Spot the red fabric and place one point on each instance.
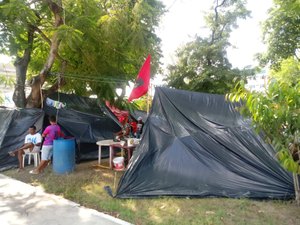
(133, 124)
(142, 81)
(121, 114)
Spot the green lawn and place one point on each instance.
(85, 186)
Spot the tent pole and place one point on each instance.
(147, 103)
(148, 98)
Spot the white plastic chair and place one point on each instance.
(36, 158)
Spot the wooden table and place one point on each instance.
(108, 143)
(129, 150)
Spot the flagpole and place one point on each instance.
(148, 98)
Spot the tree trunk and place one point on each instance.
(21, 65)
(34, 98)
(19, 93)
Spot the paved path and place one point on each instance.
(22, 204)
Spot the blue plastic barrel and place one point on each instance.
(63, 156)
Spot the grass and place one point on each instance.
(85, 186)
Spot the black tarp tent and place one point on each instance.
(14, 124)
(198, 145)
(83, 118)
(139, 113)
(86, 119)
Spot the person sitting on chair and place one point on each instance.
(32, 143)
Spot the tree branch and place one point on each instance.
(43, 35)
(34, 98)
(216, 19)
(47, 40)
(60, 81)
(56, 10)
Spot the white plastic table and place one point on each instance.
(108, 143)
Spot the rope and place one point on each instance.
(59, 74)
(58, 96)
(171, 5)
(91, 77)
(42, 100)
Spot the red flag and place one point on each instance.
(142, 81)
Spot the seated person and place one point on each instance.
(32, 143)
(139, 128)
(124, 132)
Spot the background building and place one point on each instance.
(258, 82)
(7, 71)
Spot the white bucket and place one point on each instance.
(118, 163)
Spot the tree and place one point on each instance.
(80, 46)
(20, 21)
(124, 35)
(282, 32)
(17, 39)
(202, 64)
(276, 113)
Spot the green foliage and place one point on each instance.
(282, 32)
(15, 18)
(103, 42)
(289, 72)
(143, 103)
(5, 81)
(277, 111)
(202, 64)
(111, 41)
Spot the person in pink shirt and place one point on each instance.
(51, 133)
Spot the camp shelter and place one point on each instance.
(83, 118)
(86, 119)
(198, 145)
(14, 124)
(139, 113)
(121, 114)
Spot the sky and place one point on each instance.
(4, 59)
(184, 20)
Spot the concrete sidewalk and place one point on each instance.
(22, 204)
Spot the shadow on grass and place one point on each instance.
(86, 187)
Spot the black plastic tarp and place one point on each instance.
(14, 124)
(198, 145)
(83, 118)
(139, 113)
(87, 120)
